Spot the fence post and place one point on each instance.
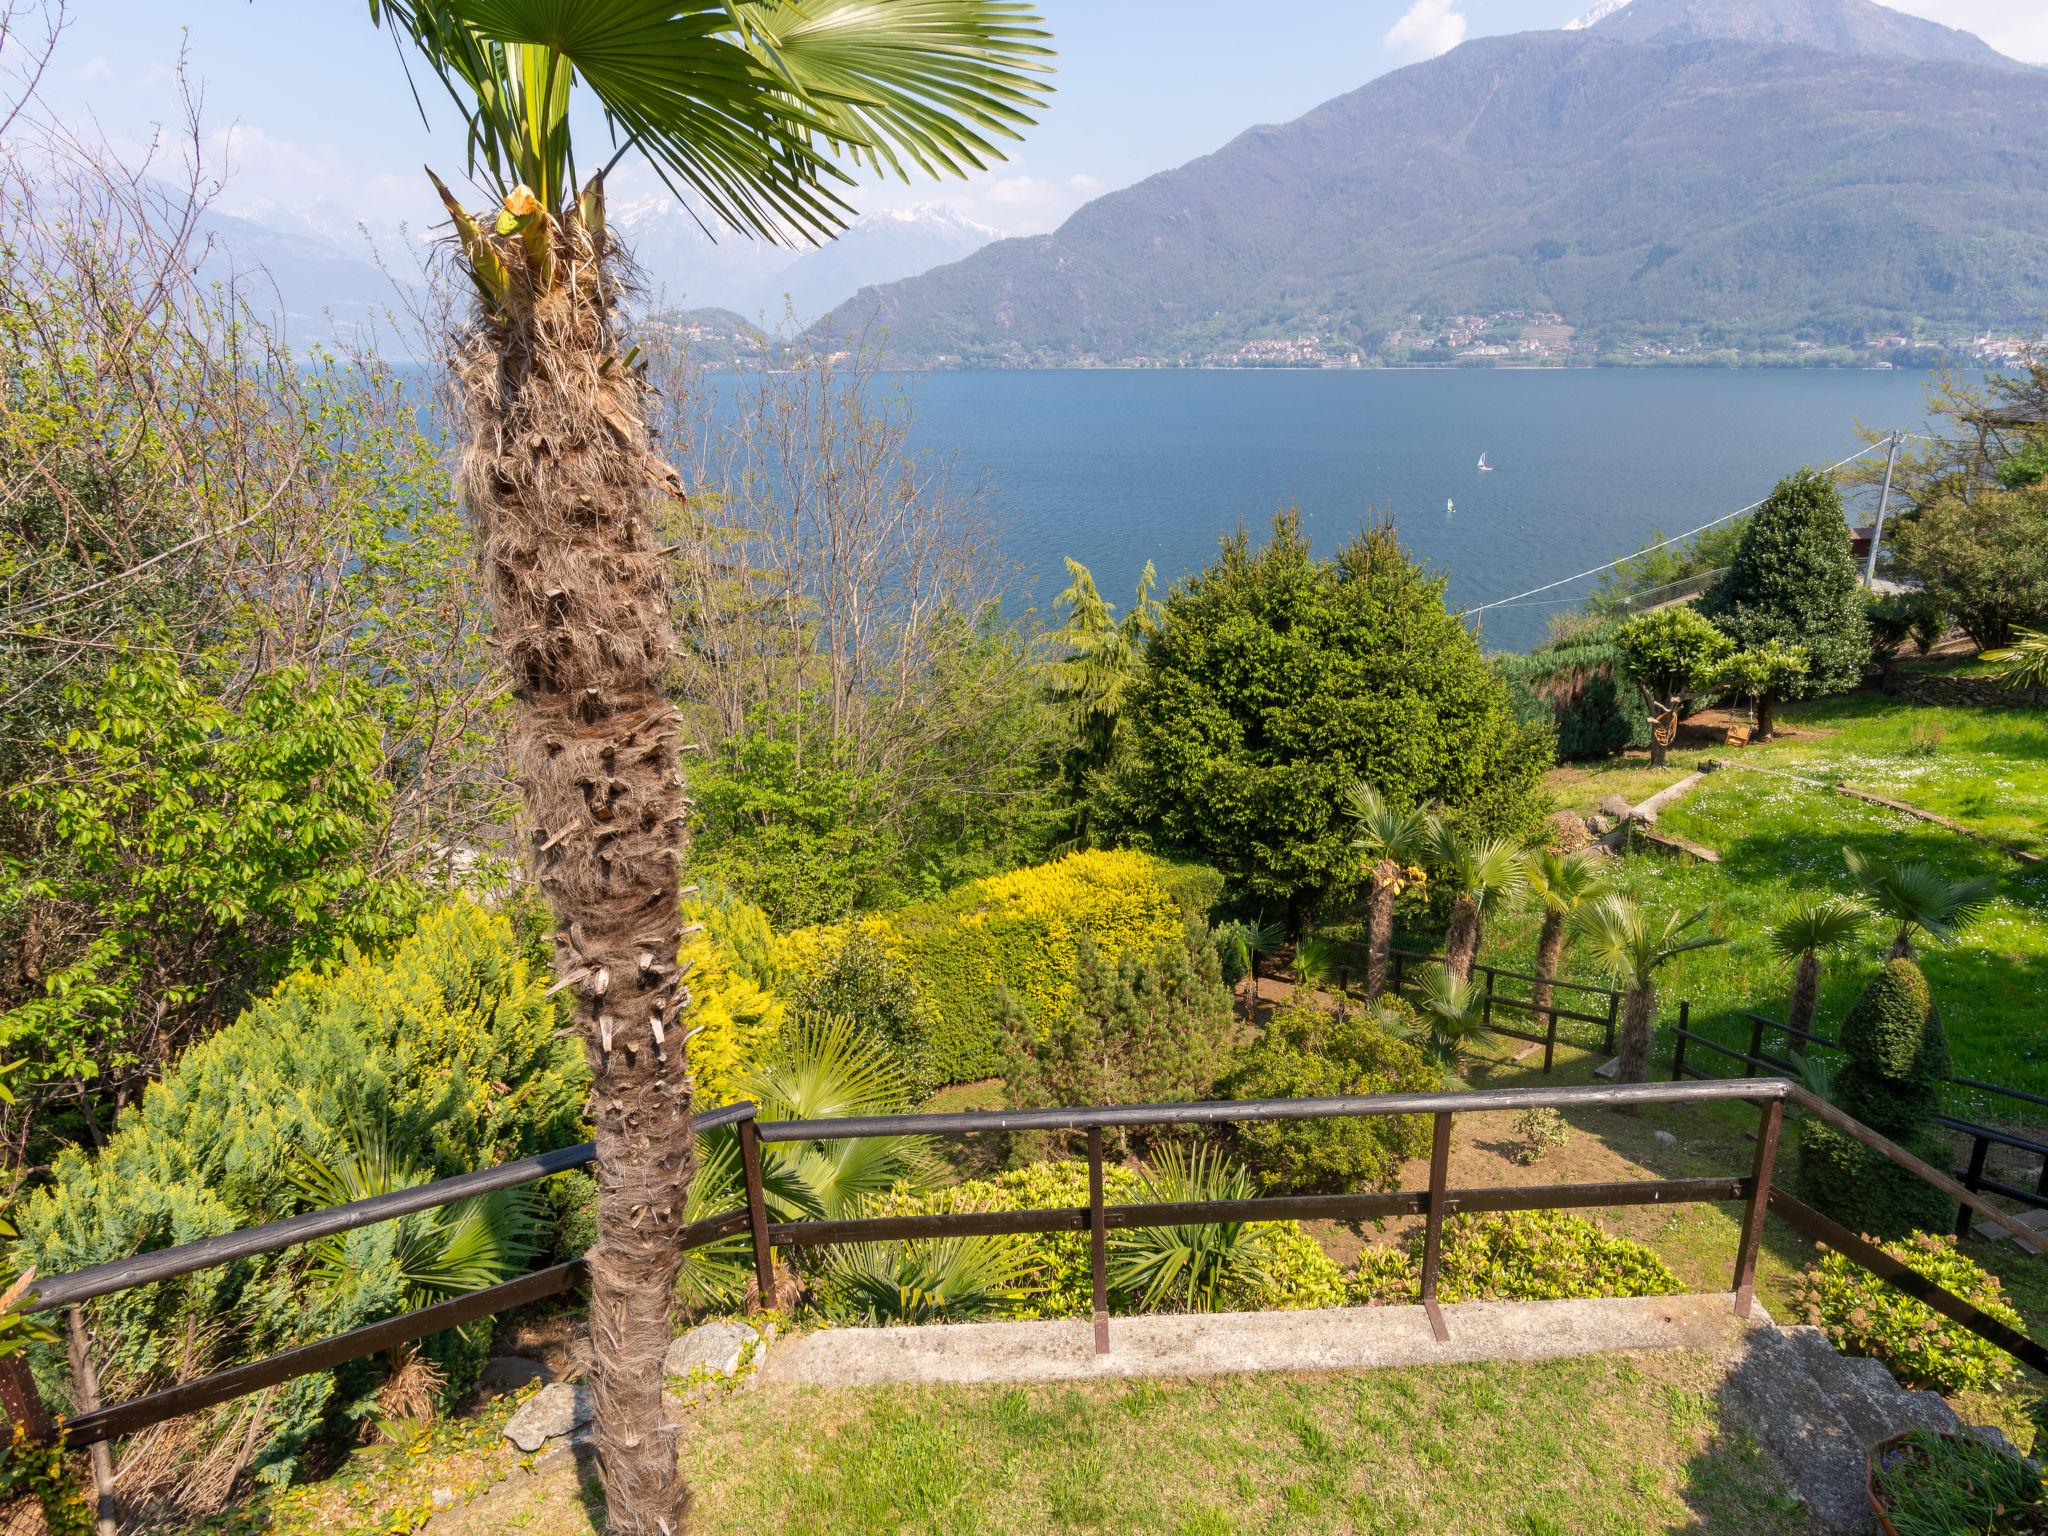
(22, 1402)
(1486, 1009)
(1973, 1181)
(1433, 1223)
(1613, 1011)
(1550, 1043)
(1759, 1196)
(757, 1211)
(1756, 1045)
(85, 1387)
(1678, 1043)
(1098, 1240)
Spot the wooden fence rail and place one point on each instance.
(1435, 1203)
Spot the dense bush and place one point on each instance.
(1794, 582)
(1540, 1132)
(1575, 687)
(1897, 1057)
(1672, 651)
(1983, 558)
(1277, 681)
(862, 981)
(449, 1047)
(1517, 1256)
(1309, 1053)
(1148, 1028)
(736, 1011)
(1293, 1272)
(1018, 933)
(1863, 1315)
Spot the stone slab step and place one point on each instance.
(1338, 1339)
(1819, 1453)
(1866, 1394)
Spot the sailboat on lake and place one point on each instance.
(1484, 467)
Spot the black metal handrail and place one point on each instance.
(1433, 1203)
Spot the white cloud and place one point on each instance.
(1426, 29)
(94, 71)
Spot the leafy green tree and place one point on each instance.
(1393, 843)
(1626, 941)
(1483, 876)
(1277, 681)
(1144, 1029)
(1897, 1060)
(1918, 898)
(1982, 557)
(1765, 674)
(1794, 581)
(191, 853)
(1095, 663)
(1802, 937)
(1560, 883)
(1667, 653)
(744, 105)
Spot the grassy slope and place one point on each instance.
(1781, 841)
(1611, 1444)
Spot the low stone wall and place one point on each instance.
(1946, 688)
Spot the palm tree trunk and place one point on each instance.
(1549, 956)
(1379, 930)
(1902, 946)
(1805, 994)
(1638, 1013)
(1461, 939)
(559, 473)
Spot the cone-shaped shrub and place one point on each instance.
(1898, 1056)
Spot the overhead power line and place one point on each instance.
(1676, 538)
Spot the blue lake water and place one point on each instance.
(1118, 467)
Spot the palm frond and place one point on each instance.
(1385, 832)
(1450, 1016)
(1621, 937)
(1203, 1268)
(1917, 895)
(1814, 927)
(1563, 882)
(1489, 870)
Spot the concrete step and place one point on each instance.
(1866, 1394)
(1818, 1451)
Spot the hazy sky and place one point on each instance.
(305, 100)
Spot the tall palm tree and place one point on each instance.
(1802, 937)
(1484, 876)
(742, 105)
(1627, 942)
(1919, 898)
(1394, 842)
(1562, 883)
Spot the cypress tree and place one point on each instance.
(1793, 581)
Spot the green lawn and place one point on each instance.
(1782, 841)
(1609, 1444)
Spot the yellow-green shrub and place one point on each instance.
(1019, 932)
(735, 1016)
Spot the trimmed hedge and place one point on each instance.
(1863, 1315)
(1516, 1256)
(1019, 933)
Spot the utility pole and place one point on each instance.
(1884, 501)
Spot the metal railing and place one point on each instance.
(1434, 1203)
(1980, 1138)
(1606, 999)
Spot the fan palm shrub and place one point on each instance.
(1484, 877)
(1561, 883)
(925, 1280)
(1195, 1268)
(1239, 944)
(743, 105)
(1919, 898)
(2024, 663)
(1450, 1017)
(1393, 842)
(1627, 942)
(1802, 937)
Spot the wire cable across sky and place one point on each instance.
(1676, 538)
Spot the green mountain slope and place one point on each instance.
(1734, 193)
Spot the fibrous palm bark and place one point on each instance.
(560, 475)
(1379, 926)
(1549, 958)
(1638, 1013)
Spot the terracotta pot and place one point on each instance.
(1871, 1463)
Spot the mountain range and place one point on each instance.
(1734, 177)
(327, 273)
